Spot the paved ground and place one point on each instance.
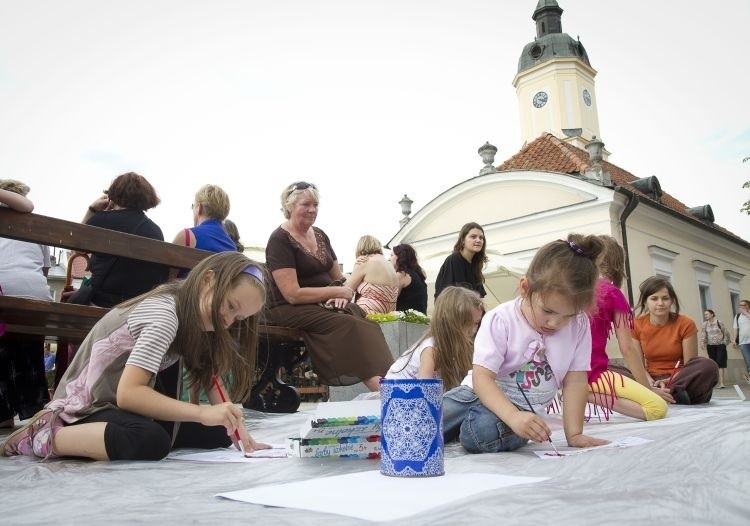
(730, 392)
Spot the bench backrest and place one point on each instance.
(74, 321)
(55, 232)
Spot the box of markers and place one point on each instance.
(341, 447)
(343, 420)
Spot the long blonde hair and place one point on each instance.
(225, 351)
(454, 310)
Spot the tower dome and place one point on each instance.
(550, 41)
(555, 83)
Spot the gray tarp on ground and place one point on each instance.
(695, 472)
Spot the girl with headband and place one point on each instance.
(119, 399)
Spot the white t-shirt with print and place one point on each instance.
(510, 347)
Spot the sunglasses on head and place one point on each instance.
(302, 185)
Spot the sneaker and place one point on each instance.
(747, 378)
(35, 439)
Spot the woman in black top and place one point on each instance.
(411, 279)
(463, 268)
(122, 207)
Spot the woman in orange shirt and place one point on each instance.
(669, 344)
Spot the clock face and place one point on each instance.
(587, 97)
(540, 99)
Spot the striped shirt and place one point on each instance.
(153, 326)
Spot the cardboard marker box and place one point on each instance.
(341, 447)
(343, 419)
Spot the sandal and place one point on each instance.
(35, 439)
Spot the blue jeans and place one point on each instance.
(745, 350)
(456, 404)
(480, 430)
(483, 432)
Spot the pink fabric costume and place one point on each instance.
(610, 302)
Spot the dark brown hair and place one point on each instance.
(131, 190)
(479, 260)
(651, 286)
(406, 259)
(566, 267)
(234, 233)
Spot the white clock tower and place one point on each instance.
(555, 83)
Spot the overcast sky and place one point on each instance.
(367, 99)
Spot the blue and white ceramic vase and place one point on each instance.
(411, 428)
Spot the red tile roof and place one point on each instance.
(548, 153)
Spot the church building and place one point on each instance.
(561, 181)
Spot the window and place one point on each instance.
(734, 298)
(705, 294)
(662, 259)
(703, 272)
(733, 284)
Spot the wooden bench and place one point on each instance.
(280, 347)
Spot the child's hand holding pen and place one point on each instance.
(664, 392)
(225, 414)
(530, 426)
(235, 423)
(230, 416)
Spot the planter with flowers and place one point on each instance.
(401, 330)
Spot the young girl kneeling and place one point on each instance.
(525, 350)
(445, 349)
(119, 399)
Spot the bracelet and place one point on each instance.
(92, 209)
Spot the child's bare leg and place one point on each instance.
(82, 440)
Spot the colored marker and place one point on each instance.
(224, 399)
(669, 382)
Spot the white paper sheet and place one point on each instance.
(353, 494)
(232, 454)
(623, 442)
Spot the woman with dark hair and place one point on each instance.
(122, 208)
(669, 343)
(714, 338)
(411, 279)
(463, 268)
(234, 234)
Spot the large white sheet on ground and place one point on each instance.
(694, 472)
(372, 496)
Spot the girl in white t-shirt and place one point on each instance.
(525, 350)
(445, 349)
(119, 399)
